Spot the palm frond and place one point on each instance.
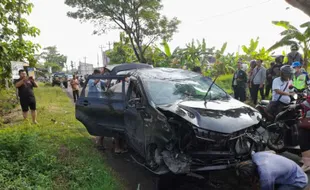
(281, 43)
(284, 24)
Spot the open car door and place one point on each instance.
(101, 110)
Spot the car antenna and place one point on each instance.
(205, 98)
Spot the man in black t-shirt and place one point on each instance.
(25, 92)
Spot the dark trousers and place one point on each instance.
(75, 95)
(255, 88)
(268, 89)
(239, 93)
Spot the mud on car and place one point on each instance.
(170, 122)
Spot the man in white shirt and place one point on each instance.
(280, 90)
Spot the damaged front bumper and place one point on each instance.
(211, 160)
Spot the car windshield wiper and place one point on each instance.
(205, 98)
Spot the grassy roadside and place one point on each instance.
(55, 154)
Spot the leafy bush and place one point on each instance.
(8, 100)
(225, 82)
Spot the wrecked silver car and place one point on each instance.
(176, 120)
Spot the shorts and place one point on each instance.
(26, 104)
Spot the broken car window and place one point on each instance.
(170, 91)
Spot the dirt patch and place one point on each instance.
(63, 153)
(12, 116)
(60, 183)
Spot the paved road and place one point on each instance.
(134, 176)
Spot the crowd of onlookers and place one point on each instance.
(258, 79)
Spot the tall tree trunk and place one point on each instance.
(134, 47)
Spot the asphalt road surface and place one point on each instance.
(136, 177)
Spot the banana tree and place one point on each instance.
(196, 55)
(167, 59)
(251, 52)
(291, 34)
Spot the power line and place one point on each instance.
(234, 11)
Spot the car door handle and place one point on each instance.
(85, 103)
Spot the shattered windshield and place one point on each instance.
(170, 91)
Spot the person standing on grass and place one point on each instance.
(75, 87)
(257, 82)
(25, 92)
(250, 73)
(239, 83)
(269, 79)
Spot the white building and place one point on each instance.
(85, 69)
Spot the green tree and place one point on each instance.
(251, 52)
(122, 51)
(13, 28)
(55, 67)
(291, 34)
(139, 19)
(196, 54)
(51, 55)
(166, 57)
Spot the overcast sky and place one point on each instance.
(218, 21)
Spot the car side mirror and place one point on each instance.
(135, 103)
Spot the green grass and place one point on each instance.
(225, 82)
(57, 153)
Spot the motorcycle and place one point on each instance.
(82, 82)
(282, 129)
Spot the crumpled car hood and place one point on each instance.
(226, 116)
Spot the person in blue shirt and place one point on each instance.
(271, 172)
(95, 89)
(95, 86)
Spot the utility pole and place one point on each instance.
(109, 44)
(97, 60)
(101, 49)
(19, 16)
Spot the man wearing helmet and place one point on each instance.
(275, 71)
(280, 90)
(299, 78)
(294, 55)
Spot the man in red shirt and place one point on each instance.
(75, 87)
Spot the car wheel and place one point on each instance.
(153, 158)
